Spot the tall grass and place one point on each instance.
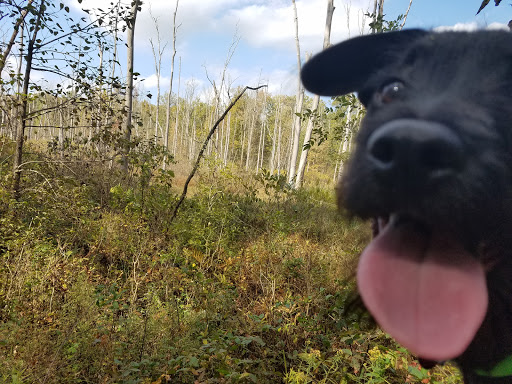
(252, 283)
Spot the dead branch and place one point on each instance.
(203, 148)
(405, 16)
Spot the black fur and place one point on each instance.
(455, 86)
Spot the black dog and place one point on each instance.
(433, 161)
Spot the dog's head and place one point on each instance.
(433, 159)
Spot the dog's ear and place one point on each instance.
(345, 67)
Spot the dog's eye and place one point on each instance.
(389, 92)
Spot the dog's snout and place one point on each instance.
(421, 150)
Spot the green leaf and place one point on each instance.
(418, 373)
(194, 361)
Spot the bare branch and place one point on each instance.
(203, 148)
(16, 28)
(406, 14)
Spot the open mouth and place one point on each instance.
(423, 288)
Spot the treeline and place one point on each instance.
(82, 108)
(255, 133)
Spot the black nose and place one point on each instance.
(412, 150)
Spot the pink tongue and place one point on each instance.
(425, 291)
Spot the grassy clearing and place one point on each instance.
(250, 284)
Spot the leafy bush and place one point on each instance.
(252, 283)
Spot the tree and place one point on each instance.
(177, 116)
(405, 15)
(17, 26)
(23, 109)
(158, 52)
(136, 5)
(168, 115)
(205, 145)
(299, 100)
(377, 15)
(60, 53)
(314, 105)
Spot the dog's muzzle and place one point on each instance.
(414, 153)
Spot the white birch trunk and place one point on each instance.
(314, 107)
(298, 105)
(347, 137)
(272, 164)
(129, 82)
(168, 113)
(228, 137)
(249, 139)
(176, 122)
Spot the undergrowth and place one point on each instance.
(252, 283)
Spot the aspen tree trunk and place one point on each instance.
(168, 116)
(261, 141)
(189, 109)
(381, 8)
(299, 99)
(219, 140)
(263, 135)
(336, 168)
(20, 67)
(129, 82)
(192, 145)
(228, 137)
(378, 11)
(346, 148)
(344, 145)
(95, 120)
(244, 130)
(210, 114)
(61, 132)
(23, 108)
(274, 136)
(113, 62)
(374, 13)
(407, 14)
(250, 136)
(314, 107)
(157, 55)
(279, 138)
(177, 119)
(158, 61)
(289, 147)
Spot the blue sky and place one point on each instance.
(266, 52)
(428, 14)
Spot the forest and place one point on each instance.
(173, 237)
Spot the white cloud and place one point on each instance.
(262, 23)
(152, 82)
(271, 24)
(282, 82)
(473, 26)
(266, 28)
(10, 66)
(498, 26)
